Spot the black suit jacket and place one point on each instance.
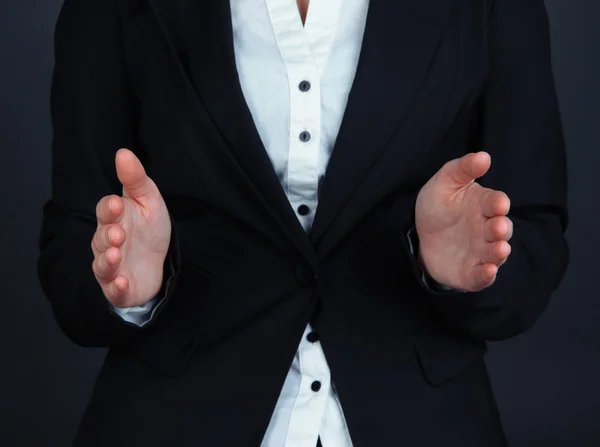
(436, 79)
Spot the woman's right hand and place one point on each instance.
(132, 238)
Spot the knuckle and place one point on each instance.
(94, 244)
(117, 297)
(100, 265)
(101, 206)
(99, 269)
(98, 240)
(106, 235)
(112, 292)
(107, 205)
(110, 295)
(113, 199)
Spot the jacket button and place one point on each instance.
(304, 274)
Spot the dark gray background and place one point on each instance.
(546, 381)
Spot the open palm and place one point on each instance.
(132, 238)
(462, 227)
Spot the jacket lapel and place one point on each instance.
(399, 44)
(400, 40)
(202, 38)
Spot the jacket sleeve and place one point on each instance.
(93, 115)
(521, 129)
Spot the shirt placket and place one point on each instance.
(304, 83)
(311, 401)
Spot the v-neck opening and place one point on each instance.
(315, 37)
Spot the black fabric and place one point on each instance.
(436, 79)
(319, 443)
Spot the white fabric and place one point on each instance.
(274, 53)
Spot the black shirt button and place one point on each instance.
(312, 337)
(303, 210)
(305, 274)
(305, 137)
(315, 386)
(304, 86)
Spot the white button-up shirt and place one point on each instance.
(296, 80)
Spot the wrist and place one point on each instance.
(427, 278)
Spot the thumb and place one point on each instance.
(466, 169)
(132, 175)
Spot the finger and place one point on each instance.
(498, 228)
(108, 236)
(110, 209)
(495, 203)
(496, 253)
(132, 175)
(483, 276)
(116, 291)
(106, 264)
(468, 168)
